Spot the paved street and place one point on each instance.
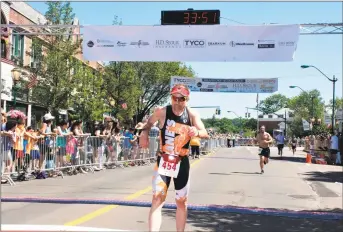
(229, 177)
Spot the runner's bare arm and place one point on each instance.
(153, 118)
(199, 125)
(270, 139)
(256, 140)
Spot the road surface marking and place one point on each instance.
(108, 208)
(35, 228)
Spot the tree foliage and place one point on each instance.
(225, 125)
(273, 103)
(54, 56)
(307, 105)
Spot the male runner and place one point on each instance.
(263, 139)
(178, 124)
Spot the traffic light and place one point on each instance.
(248, 115)
(217, 111)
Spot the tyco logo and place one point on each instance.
(196, 43)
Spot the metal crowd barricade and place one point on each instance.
(71, 155)
(245, 142)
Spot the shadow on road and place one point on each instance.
(230, 158)
(289, 158)
(332, 176)
(253, 173)
(212, 221)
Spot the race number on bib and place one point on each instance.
(169, 168)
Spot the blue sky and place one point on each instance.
(323, 51)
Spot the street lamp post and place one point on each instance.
(333, 80)
(312, 104)
(16, 73)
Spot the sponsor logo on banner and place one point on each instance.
(266, 89)
(194, 43)
(216, 43)
(266, 41)
(167, 44)
(140, 43)
(185, 81)
(287, 43)
(254, 81)
(266, 46)
(105, 41)
(90, 44)
(234, 44)
(121, 44)
(206, 90)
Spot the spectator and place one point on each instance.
(195, 147)
(334, 147)
(154, 135)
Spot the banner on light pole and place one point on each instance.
(243, 85)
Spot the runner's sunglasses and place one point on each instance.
(179, 99)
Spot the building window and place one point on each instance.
(270, 116)
(280, 116)
(3, 49)
(36, 52)
(17, 47)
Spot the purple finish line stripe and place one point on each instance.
(208, 208)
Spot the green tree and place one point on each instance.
(55, 60)
(250, 124)
(121, 86)
(306, 106)
(273, 103)
(338, 104)
(88, 97)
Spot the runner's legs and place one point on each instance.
(182, 185)
(160, 186)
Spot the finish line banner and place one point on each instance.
(261, 85)
(265, 43)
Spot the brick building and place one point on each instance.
(275, 120)
(17, 46)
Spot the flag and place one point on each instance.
(33, 81)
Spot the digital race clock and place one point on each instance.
(190, 17)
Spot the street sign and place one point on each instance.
(281, 125)
(339, 114)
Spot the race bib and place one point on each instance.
(168, 167)
(259, 150)
(293, 144)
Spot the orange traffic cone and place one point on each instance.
(309, 158)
